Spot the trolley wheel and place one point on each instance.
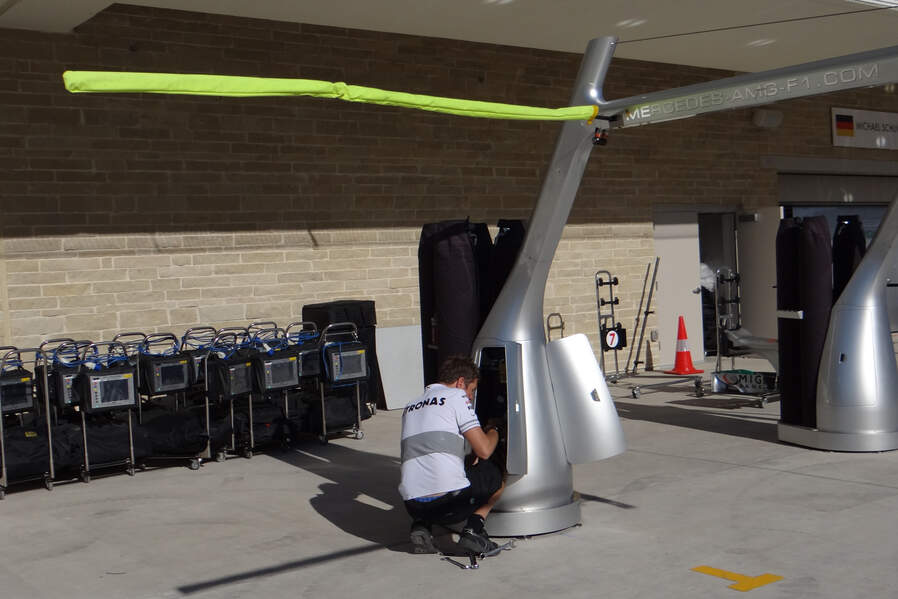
(762, 402)
(220, 456)
(130, 471)
(194, 464)
(635, 392)
(359, 434)
(84, 476)
(247, 453)
(699, 389)
(2, 493)
(322, 438)
(48, 483)
(142, 467)
(372, 408)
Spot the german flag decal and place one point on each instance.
(845, 125)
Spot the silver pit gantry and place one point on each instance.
(559, 410)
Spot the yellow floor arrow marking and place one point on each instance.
(743, 582)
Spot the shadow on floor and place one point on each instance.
(360, 497)
(700, 420)
(361, 494)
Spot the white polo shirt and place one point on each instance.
(433, 448)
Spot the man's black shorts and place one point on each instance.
(485, 478)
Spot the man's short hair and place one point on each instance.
(458, 366)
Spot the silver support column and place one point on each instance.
(539, 491)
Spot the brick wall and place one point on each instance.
(122, 212)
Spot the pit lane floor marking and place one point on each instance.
(743, 583)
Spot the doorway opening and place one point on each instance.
(717, 239)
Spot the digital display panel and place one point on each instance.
(16, 394)
(170, 376)
(240, 378)
(348, 365)
(281, 373)
(111, 391)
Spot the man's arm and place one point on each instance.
(483, 443)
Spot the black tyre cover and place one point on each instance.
(788, 330)
(849, 246)
(449, 291)
(816, 289)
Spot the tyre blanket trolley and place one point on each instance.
(17, 398)
(305, 338)
(55, 376)
(164, 376)
(132, 340)
(195, 345)
(228, 377)
(105, 387)
(345, 364)
(276, 372)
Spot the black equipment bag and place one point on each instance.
(176, 433)
(16, 391)
(107, 389)
(231, 377)
(269, 425)
(107, 441)
(197, 370)
(363, 315)
(164, 374)
(277, 369)
(61, 382)
(339, 410)
(27, 454)
(26, 450)
(309, 350)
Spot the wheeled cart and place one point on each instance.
(228, 377)
(28, 454)
(106, 388)
(176, 429)
(345, 366)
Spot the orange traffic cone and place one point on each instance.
(683, 363)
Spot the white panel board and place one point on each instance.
(401, 364)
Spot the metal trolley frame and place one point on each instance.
(11, 356)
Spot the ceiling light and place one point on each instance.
(630, 23)
(760, 43)
(499, 2)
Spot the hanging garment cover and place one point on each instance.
(506, 248)
(849, 246)
(804, 283)
(788, 330)
(449, 257)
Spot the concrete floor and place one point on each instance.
(704, 483)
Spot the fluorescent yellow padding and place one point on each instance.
(245, 87)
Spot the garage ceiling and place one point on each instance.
(740, 35)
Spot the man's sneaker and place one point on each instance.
(476, 543)
(422, 539)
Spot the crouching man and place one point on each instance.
(436, 486)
